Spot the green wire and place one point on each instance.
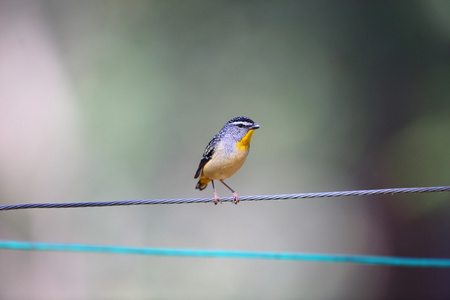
(328, 258)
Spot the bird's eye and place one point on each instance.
(240, 125)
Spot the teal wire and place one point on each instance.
(326, 258)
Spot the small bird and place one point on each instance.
(225, 154)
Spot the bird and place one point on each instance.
(225, 154)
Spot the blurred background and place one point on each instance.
(116, 100)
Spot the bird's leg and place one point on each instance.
(216, 197)
(235, 195)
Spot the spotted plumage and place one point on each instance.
(225, 154)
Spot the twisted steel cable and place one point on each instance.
(390, 191)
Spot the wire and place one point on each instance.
(328, 258)
(391, 191)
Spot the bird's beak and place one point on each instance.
(255, 126)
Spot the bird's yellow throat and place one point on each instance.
(245, 141)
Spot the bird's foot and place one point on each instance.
(217, 199)
(235, 198)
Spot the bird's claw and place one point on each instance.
(217, 199)
(235, 198)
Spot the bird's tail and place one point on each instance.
(202, 183)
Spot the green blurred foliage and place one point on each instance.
(348, 95)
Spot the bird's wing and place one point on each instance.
(207, 154)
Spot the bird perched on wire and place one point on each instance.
(225, 154)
